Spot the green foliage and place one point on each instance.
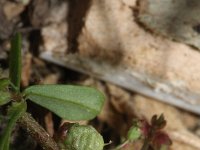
(4, 97)
(67, 101)
(4, 94)
(4, 83)
(134, 133)
(82, 137)
(72, 103)
(14, 113)
(15, 62)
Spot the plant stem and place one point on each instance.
(121, 145)
(145, 145)
(28, 123)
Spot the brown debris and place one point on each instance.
(26, 70)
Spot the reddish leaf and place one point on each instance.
(160, 139)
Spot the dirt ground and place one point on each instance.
(36, 19)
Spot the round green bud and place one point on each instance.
(83, 137)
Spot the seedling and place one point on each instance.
(150, 133)
(67, 101)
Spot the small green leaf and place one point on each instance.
(67, 101)
(4, 94)
(4, 82)
(15, 61)
(134, 133)
(14, 113)
(4, 97)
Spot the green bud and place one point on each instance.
(83, 137)
(134, 133)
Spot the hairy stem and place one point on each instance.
(28, 123)
(121, 145)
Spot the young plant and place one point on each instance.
(152, 135)
(67, 101)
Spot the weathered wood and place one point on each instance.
(114, 47)
(178, 20)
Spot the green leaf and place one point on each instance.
(134, 133)
(67, 101)
(4, 82)
(4, 94)
(4, 97)
(15, 61)
(14, 113)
